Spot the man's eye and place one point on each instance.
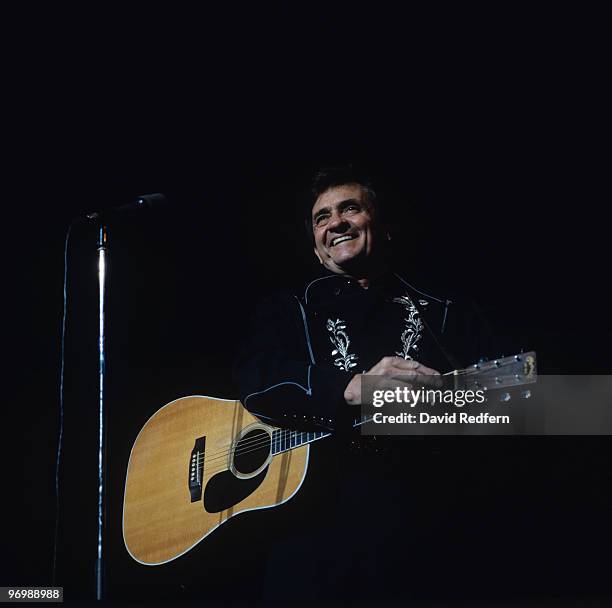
(320, 219)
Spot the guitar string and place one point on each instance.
(459, 372)
(259, 442)
(462, 372)
(284, 434)
(252, 448)
(216, 468)
(256, 444)
(224, 466)
(263, 440)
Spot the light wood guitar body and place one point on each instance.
(197, 462)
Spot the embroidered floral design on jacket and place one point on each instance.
(340, 340)
(414, 328)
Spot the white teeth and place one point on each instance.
(341, 239)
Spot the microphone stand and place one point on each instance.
(142, 202)
(102, 254)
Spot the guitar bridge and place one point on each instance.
(196, 469)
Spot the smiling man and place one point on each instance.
(345, 231)
(306, 352)
(301, 367)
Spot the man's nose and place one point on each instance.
(337, 223)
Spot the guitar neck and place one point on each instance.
(284, 440)
(498, 373)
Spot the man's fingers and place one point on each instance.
(393, 366)
(414, 366)
(414, 381)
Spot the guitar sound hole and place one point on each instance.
(252, 451)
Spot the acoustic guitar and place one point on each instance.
(198, 461)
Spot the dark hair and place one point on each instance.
(331, 177)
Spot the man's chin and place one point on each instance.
(346, 265)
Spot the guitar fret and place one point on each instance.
(284, 440)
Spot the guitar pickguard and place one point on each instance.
(225, 490)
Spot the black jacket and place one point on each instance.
(302, 349)
(297, 357)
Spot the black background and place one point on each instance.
(488, 133)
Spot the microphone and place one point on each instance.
(144, 201)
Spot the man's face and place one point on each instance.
(344, 228)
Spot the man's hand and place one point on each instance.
(397, 371)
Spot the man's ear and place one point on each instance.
(318, 256)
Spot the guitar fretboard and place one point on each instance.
(287, 439)
(505, 372)
(284, 440)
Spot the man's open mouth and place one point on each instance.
(341, 239)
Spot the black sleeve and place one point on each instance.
(277, 377)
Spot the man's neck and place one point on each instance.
(365, 279)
